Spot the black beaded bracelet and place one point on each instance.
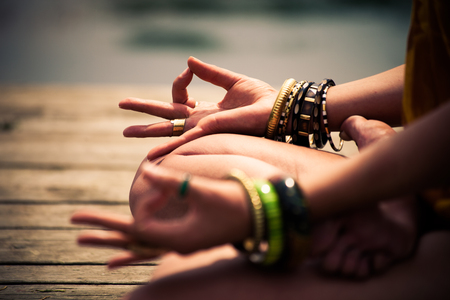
(296, 222)
(319, 134)
(297, 111)
(325, 120)
(302, 116)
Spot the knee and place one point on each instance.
(210, 144)
(139, 187)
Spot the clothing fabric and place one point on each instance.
(427, 78)
(427, 75)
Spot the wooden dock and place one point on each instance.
(62, 149)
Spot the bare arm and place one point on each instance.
(377, 97)
(409, 162)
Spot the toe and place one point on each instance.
(350, 262)
(333, 260)
(363, 269)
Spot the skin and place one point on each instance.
(248, 102)
(382, 170)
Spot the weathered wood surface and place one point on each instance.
(61, 150)
(64, 292)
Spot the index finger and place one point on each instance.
(107, 220)
(165, 148)
(156, 108)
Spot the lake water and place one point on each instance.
(89, 42)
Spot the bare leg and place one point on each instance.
(221, 274)
(355, 244)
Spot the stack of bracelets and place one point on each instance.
(307, 102)
(280, 222)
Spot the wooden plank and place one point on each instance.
(47, 216)
(63, 274)
(50, 247)
(84, 149)
(37, 185)
(64, 292)
(47, 247)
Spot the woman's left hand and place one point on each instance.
(207, 222)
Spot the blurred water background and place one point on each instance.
(148, 41)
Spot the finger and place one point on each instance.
(324, 236)
(166, 148)
(351, 262)
(335, 257)
(126, 258)
(363, 268)
(213, 74)
(164, 179)
(102, 219)
(104, 238)
(156, 108)
(153, 130)
(179, 87)
(349, 128)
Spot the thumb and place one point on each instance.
(349, 128)
(213, 74)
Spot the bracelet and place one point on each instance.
(297, 111)
(296, 221)
(251, 245)
(305, 120)
(320, 136)
(275, 237)
(325, 121)
(278, 107)
(281, 137)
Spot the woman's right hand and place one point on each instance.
(245, 108)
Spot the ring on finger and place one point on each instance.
(184, 185)
(178, 126)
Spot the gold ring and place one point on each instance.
(178, 126)
(196, 104)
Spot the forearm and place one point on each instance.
(409, 162)
(377, 97)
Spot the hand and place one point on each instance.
(364, 132)
(207, 222)
(245, 109)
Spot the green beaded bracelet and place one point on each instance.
(275, 236)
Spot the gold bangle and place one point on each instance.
(282, 125)
(278, 107)
(251, 245)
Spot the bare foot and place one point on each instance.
(367, 241)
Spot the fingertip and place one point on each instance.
(126, 103)
(343, 135)
(127, 132)
(193, 59)
(123, 103)
(79, 217)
